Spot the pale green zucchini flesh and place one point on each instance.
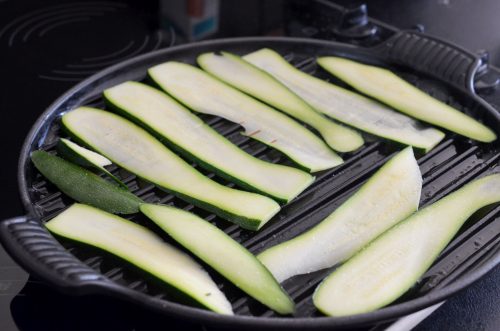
(142, 248)
(86, 158)
(392, 264)
(244, 76)
(132, 148)
(85, 186)
(387, 87)
(184, 131)
(346, 106)
(205, 94)
(90, 156)
(389, 196)
(222, 253)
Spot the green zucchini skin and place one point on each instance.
(204, 93)
(389, 196)
(184, 132)
(248, 78)
(81, 155)
(85, 186)
(392, 264)
(132, 148)
(73, 153)
(222, 253)
(387, 87)
(142, 248)
(345, 106)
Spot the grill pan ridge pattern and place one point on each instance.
(454, 162)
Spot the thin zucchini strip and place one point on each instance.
(244, 76)
(391, 264)
(389, 196)
(178, 127)
(86, 158)
(85, 186)
(222, 253)
(346, 106)
(142, 248)
(132, 148)
(205, 94)
(387, 87)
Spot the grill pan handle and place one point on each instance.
(432, 56)
(34, 248)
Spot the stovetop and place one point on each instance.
(48, 46)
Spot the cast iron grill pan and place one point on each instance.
(443, 70)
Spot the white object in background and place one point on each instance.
(194, 19)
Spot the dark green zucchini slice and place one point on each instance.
(85, 186)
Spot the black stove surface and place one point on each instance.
(46, 47)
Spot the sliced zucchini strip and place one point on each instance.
(222, 253)
(205, 94)
(85, 186)
(244, 76)
(389, 196)
(393, 263)
(184, 131)
(132, 148)
(86, 158)
(346, 106)
(387, 87)
(89, 158)
(142, 248)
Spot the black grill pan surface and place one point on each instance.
(443, 70)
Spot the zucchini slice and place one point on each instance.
(142, 248)
(86, 158)
(134, 149)
(222, 253)
(83, 156)
(389, 196)
(244, 76)
(346, 106)
(205, 94)
(391, 264)
(85, 186)
(387, 87)
(184, 131)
